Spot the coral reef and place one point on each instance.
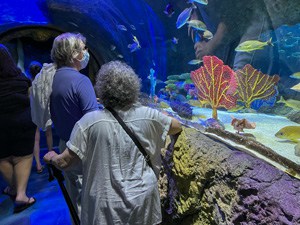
(254, 85)
(216, 84)
(219, 185)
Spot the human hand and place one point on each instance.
(48, 156)
(202, 49)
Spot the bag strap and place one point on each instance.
(131, 134)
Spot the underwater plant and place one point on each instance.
(254, 85)
(216, 84)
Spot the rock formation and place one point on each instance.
(206, 182)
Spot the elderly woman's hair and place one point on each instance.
(66, 47)
(117, 85)
(8, 67)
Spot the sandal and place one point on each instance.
(20, 206)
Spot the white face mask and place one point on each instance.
(85, 60)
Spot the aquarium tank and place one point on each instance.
(228, 70)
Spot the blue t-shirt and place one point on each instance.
(72, 96)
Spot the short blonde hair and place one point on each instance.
(66, 47)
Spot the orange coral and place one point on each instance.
(253, 85)
(216, 84)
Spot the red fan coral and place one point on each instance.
(216, 84)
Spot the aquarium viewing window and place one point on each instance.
(230, 69)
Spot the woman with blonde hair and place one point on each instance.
(72, 96)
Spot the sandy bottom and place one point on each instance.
(266, 128)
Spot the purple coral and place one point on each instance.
(183, 109)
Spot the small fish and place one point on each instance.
(120, 56)
(121, 27)
(132, 27)
(112, 47)
(207, 35)
(296, 55)
(135, 39)
(292, 103)
(135, 45)
(158, 81)
(197, 25)
(203, 2)
(196, 37)
(184, 16)
(195, 62)
(169, 10)
(287, 45)
(251, 45)
(295, 75)
(291, 133)
(175, 40)
(296, 87)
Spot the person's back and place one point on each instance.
(119, 186)
(16, 140)
(34, 69)
(120, 176)
(65, 102)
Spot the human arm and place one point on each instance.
(61, 161)
(207, 48)
(175, 127)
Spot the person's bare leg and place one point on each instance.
(36, 149)
(49, 138)
(7, 172)
(22, 168)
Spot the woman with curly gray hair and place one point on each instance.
(119, 186)
(117, 85)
